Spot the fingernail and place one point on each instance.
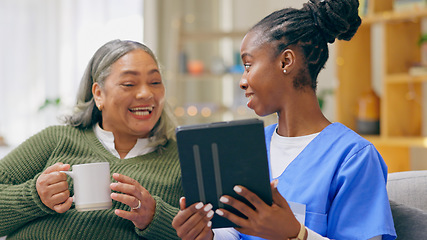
(210, 213)
(181, 199)
(199, 205)
(209, 224)
(223, 199)
(219, 212)
(208, 207)
(237, 189)
(275, 182)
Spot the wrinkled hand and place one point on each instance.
(52, 188)
(133, 195)
(193, 222)
(270, 222)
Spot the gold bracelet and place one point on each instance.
(301, 233)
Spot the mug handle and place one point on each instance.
(71, 174)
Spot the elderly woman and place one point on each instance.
(120, 118)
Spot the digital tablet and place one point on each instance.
(215, 157)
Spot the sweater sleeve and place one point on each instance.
(19, 170)
(161, 225)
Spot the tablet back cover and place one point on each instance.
(217, 156)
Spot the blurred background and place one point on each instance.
(46, 44)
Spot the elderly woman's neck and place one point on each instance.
(123, 146)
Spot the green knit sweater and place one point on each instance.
(24, 216)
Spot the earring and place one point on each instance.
(100, 107)
(284, 71)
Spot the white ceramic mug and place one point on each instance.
(91, 186)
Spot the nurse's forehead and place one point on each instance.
(252, 38)
(253, 41)
(256, 50)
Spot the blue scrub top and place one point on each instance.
(341, 178)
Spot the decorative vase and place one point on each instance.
(368, 114)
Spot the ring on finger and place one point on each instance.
(137, 207)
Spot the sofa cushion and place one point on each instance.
(408, 188)
(410, 223)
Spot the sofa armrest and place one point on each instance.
(408, 188)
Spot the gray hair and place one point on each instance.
(86, 114)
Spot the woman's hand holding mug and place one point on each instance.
(52, 188)
(91, 187)
(92, 191)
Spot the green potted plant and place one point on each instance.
(422, 42)
(321, 96)
(56, 102)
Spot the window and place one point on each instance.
(45, 47)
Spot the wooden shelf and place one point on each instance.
(205, 36)
(390, 16)
(384, 48)
(405, 78)
(208, 42)
(206, 76)
(397, 141)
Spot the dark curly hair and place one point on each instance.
(312, 27)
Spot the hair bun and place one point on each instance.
(335, 18)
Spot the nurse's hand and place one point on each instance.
(193, 222)
(270, 222)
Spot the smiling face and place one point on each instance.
(263, 79)
(132, 97)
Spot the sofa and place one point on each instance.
(407, 192)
